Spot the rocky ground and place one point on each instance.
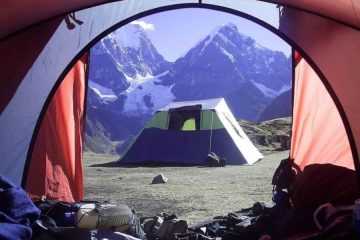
(269, 136)
(193, 193)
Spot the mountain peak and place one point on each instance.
(131, 35)
(229, 25)
(222, 35)
(225, 29)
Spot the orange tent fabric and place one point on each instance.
(334, 49)
(318, 133)
(346, 11)
(55, 169)
(320, 146)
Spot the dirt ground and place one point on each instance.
(192, 193)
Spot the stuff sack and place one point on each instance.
(213, 160)
(17, 211)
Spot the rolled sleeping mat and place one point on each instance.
(105, 216)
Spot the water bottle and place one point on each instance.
(69, 219)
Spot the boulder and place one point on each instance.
(159, 179)
(285, 141)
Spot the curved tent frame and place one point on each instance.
(46, 69)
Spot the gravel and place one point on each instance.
(192, 193)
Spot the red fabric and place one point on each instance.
(347, 11)
(320, 146)
(318, 134)
(335, 49)
(297, 58)
(56, 165)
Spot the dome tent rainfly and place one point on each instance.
(185, 132)
(36, 78)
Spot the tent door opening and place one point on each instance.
(185, 119)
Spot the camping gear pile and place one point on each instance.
(58, 218)
(165, 226)
(337, 219)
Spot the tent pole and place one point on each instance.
(211, 129)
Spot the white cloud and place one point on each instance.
(144, 25)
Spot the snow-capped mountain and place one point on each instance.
(122, 81)
(231, 65)
(132, 51)
(129, 80)
(126, 64)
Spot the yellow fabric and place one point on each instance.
(189, 125)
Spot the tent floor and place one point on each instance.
(192, 193)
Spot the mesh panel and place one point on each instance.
(113, 216)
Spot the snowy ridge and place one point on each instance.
(230, 56)
(284, 89)
(104, 93)
(258, 46)
(216, 32)
(225, 39)
(145, 90)
(269, 93)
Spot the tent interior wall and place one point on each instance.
(55, 168)
(331, 46)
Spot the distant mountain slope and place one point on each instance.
(269, 135)
(231, 65)
(280, 107)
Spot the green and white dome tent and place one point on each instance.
(185, 132)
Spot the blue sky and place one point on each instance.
(174, 32)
